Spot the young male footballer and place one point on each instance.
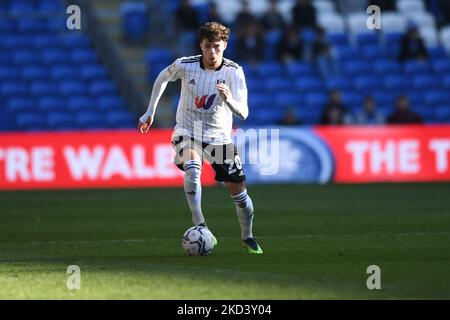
(213, 89)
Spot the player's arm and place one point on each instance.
(235, 96)
(171, 73)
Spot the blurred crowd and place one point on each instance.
(251, 34)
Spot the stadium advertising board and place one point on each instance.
(89, 160)
(116, 159)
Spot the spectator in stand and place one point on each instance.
(369, 114)
(186, 17)
(412, 46)
(244, 17)
(385, 5)
(304, 15)
(250, 44)
(335, 112)
(289, 118)
(444, 12)
(322, 54)
(272, 20)
(290, 47)
(213, 14)
(402, 114)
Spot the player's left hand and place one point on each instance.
(224, 91)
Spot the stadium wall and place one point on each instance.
(120, 159)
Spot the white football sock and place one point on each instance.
(244, 210)
(193, 190)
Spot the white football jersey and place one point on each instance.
(201, 112)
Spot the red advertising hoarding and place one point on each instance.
(118, 159)
(400, 153)
(90, 160)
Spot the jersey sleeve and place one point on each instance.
(238, 104)
(171, 73)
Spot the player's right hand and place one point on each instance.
(144, 126)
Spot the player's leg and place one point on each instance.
(188, 159)
(192, 165)
(244, 211)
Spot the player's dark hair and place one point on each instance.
(213, 31)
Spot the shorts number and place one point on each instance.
(234, 163)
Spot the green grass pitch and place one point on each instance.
(318, 242)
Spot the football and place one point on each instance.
(197, 241)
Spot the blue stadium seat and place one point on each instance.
(352, 99)
(30, 26)
(81, 103)
(51, 104)
(445, 80)
(79, 56)
(17, 43)
(34, 73)
(385, 98)
(30, 121)
(75, 41)
(60, 121)
(54, 56)
(49, 6)
(283, 100)
(63, 72)
(277, 84)
(120, 119)
(56, 25)
(13, 88)
(46, 41)
(8, 73)
(105, 87)
(386, 67)
(19, 104)
(434, 98)
(437, 53)
(110, 102)
(366, 83)
(421, 82)
(356, 68)
(345, 53)
(396, 83)
(91, 72)
(374, 52)
(443, 113)
(90, 120)
(296, 69)
(338, 39)
(42, 88)
(21, 8)
(416, 99)
(159, 55)
(271, 40)
(271, 69)
(7, 26)
(260, 100)
(21, 57)
(309, 116)
(305, 84)
(414, 67)
(338, 82)
(72, 88)
(315, 99)
(441, 66)
(364, 39)
(135, 20)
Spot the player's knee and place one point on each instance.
(193, 171)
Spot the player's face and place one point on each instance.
(212, 52)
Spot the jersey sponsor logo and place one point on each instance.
(192, 81)
(205, 101)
